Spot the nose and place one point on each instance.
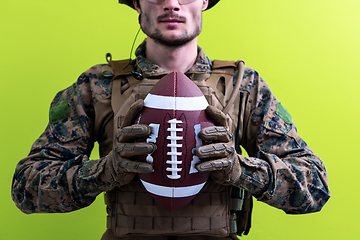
(171, 5)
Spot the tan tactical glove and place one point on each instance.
(119, 168)
(219, 157)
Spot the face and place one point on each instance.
(171, 23)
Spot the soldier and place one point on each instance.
(281, 170)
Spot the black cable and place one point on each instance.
(132, 47)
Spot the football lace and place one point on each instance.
(174, 145)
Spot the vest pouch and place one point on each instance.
(132, 210)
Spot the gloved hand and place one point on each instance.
(219, 157)
(119, 168)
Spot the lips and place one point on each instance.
(171, 20)
(168, 18)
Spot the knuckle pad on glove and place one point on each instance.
(123, 166)
(215, 133)
(134, 149)
(214, 165)
(214, 150)
(132, 132)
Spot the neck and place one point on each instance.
(180, 58)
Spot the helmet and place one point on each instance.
(130, 3)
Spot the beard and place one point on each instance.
(158, 37)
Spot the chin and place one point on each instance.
(174, 42)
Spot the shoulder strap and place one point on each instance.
(221, 79)
(121, 71)
(226, 67)
(120, 68)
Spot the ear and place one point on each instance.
(137, 8)
(205, 4)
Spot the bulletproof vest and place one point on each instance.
(217, 210)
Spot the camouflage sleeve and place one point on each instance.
(281, 169)
(57, 175)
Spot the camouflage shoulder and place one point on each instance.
(250, 79)
(72, 109)
(102, 70)
(266, 110)
(99, 79)
(69, 114)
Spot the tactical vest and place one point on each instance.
(217, 210)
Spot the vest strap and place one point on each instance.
(122, 68)
(119, 96)
(236, 89)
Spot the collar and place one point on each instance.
(202, 64)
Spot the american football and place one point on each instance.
(175, 111)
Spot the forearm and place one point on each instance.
(294, 180)
(44, 185)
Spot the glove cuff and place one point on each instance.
(109, 171)
(235, 171)
(228, 177)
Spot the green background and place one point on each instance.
(308, 52)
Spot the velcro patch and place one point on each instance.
(59, 112)
(283, 113)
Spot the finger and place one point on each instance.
(132, 113)
(214, 165)
(215, 133)
(217, 115)
(134, 149)
(217, 150)
(132, 132)
(134, 166)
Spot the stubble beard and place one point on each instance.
(158, 37)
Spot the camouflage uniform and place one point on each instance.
(57, 175)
